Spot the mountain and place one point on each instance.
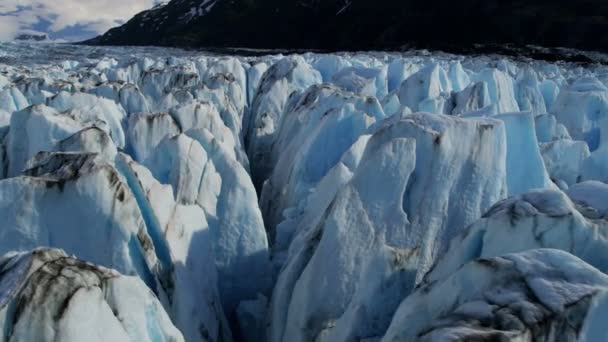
(364, 24)
(32, 37)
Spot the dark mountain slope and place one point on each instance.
(367, 24)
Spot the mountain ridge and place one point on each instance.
(365, 25)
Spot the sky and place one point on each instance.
(70, 20)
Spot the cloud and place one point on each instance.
(9, 27)
(93, 16)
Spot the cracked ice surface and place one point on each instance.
(314, 197)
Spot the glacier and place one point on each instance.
(155, 194)
(50, 296)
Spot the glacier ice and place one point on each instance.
(591, 197)
(428, 84)
(564, 159)
(581, 107)
(326, 197)
(47, 205)
(410, 169)
(528, 93)
(146, 130)
(50, 296)
(522, 145)
(541, 294)
(40, 128)
(501, 89)
(279, 83)
(323, 123)
(203, 173)
(537, 219)
(182, 239)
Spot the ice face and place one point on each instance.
(316, 130)
(282, 80)
(521, 296)
(204, 173)
(409, 169)
(581, 107)
(49, 296)
(183, 242)
(62, 190)
(314, 197)
(564, 159)
(523, 145)
(538, 219)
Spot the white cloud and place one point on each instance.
(94, 15)
(9, 26)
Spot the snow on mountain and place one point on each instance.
(314, 197)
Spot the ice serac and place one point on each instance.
(543, 294)
(157, 83)
(229, 69)
(205, 115)
(254, 76)
(316, 130)
(427, 90)
(400, 69)
(12, 100)
(363, 81)
(594, 328)
(537, 219)
(581, 107)
(183, 241)
(460, 172)
(473, 98)
(87, 107)
(528, 91)
(35, 129)
(288, 76)
(564, 159)
(146, 130)
(352, 229)
(383, 282)
(501, 89)
(458, 76)
(412, 168)
(318, 201)
(240, 241)
(591, 197)
(525, 167)
(127, 95)
(48, 205)
(328, 65)
(548, 129)
(204, 173)
(595, 167)
(90, 140)
(46, 295)
(225, 85)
